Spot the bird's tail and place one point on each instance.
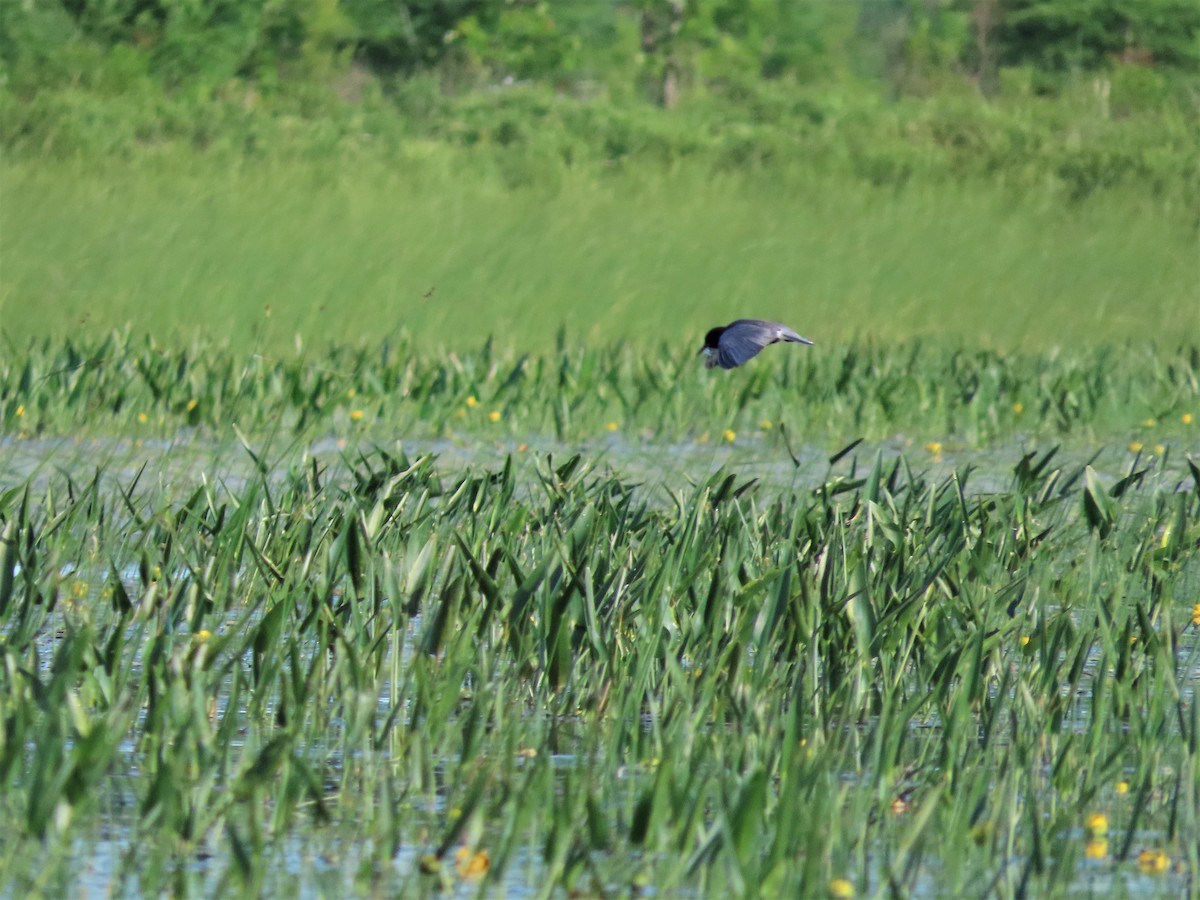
(792, 338)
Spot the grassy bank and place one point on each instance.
(256, 254)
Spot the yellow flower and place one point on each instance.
(1196, 614)
(766, 425)
(1123, 786)
(899, 806)
(729, 435)
(1159, 449)
(20, 411)
(472, 865)
(611, 426)
(1018, 407)
(1186, 418)
(494, 415)
(79, 589)
(934, 447)
(143, 418)
(1025, 640)
(1149, 423)
(203, 635)
(1135, 446)
(1153, 862)
(472, 402)
(1097, 824)
(1097, 848)
(191, 404)
(356, 415)
(841, 889)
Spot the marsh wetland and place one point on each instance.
(379, 621)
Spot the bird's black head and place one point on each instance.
(710, 339)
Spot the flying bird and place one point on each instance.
(742, 340)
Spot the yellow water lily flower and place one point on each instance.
(470, 865)
(1153, 862)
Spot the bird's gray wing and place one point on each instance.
(777, 330)
(743, 340)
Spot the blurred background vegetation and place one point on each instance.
(751, 79)
(970, 124)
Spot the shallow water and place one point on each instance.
(184, 460)
(335, 859)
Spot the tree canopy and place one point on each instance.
(667, 44)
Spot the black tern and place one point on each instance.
(741, 341)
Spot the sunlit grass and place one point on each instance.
(257, 255)
(382, 674)
(250, 645)
(928, 395)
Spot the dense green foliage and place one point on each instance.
(929, 392)
(1063, 34)
(906, 41)
(365, 673)
(368, 524)
(243, 659)
(756, 84)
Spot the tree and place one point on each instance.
(1060, 35)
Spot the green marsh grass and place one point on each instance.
(248, 665)
(257, 254)
(640, 395)
(283, 609)
(345, 672)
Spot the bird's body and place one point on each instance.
(742, 340)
